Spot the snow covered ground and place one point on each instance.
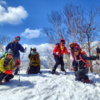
(46, 86)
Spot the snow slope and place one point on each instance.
(49, 87)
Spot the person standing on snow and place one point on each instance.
(6, 67)
(15, 47)
(34, 62)
(58, 52)
(80, 67)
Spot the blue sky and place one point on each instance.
(27, 18)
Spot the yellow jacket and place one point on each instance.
(8, 67)
(34, 62)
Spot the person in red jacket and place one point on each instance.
(58, 51)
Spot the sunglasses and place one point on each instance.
(34, 49)
(63, 43)
(17, 38)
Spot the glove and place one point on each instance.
(57, 53)
(93, 57)
(9, 72)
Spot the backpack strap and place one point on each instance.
(82, 58)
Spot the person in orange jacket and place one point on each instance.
(58, 52)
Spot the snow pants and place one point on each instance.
(81, 74)
(33, 70)
(58, 61)
(2, 76)
(15, 59)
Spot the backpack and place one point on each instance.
(86, 61)
(3, 55)
(58, 47)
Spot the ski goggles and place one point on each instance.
(17, 38)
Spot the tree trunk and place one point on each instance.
(91, 68)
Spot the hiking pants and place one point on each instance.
(2, 76)
(81, 74)
(33, 70)
(58, 61)
(15, 59)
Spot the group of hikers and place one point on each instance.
(9, 63)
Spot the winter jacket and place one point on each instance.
(60, 52)
(15, 47)
(81, 61)
(8, 67)
(34, 60)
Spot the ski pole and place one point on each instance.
(19, 77)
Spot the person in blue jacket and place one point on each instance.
(15, 46)
(79, 65)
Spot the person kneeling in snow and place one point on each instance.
(80, 67)
(7, 67)
(34, 62)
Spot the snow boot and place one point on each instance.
(88, 81)
(7, 80)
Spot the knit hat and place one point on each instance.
(70, 43)
(10, 52)
(62, 40)
(34, 48)
(76, 49)
(17, 37)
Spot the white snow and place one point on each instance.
(46, 86)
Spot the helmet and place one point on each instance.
(10, 52)
(17, 37)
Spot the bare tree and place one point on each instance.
(57, 31)
(90, 29)
(75, 25)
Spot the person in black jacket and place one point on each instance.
(80, 65)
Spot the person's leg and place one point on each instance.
(8, 78)
(16, 71)
(15, 59)
(83, 74)
(31, 70)
(56, 64)
(37, 70)
(62, 64)
(78, 75)
(2, 75)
